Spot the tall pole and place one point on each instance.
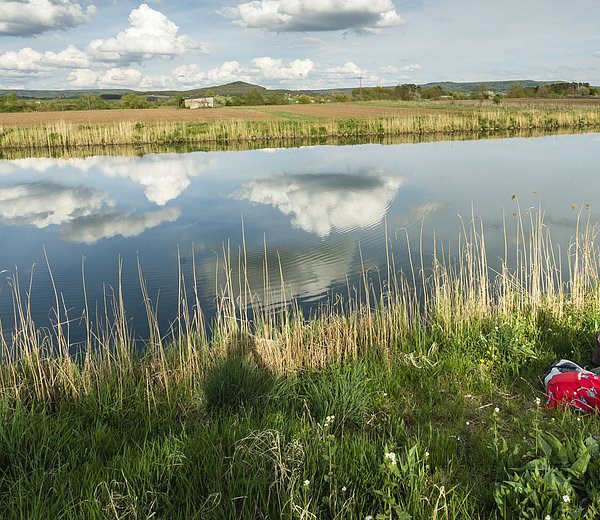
(360, 80)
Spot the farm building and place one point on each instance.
(203, 102)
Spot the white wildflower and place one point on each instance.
(547, 517)
(368, 517)
(538, 401)
(566, 499)
(306, 483)
(468, 423)
(427, 454)
(497, 410)
(343, 488)
(392, 456)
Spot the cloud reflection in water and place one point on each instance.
(92, 228)
(322, 203)
(44, 203)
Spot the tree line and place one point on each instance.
(254, 97)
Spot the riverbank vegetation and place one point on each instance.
(61, 134)
(409, 397)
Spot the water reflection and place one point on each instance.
(108, 224)
(45, 203)
(315, 208)
(321, 203)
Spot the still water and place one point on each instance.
(317, 209)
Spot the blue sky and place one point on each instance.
(300, 44)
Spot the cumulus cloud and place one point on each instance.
(29, 60)
(314, 15)
(326, 202)
(90, 229)
(597, 54)
(29, 17)
(45, 203)
(82, 78)
(193, 74)
(150, 34)
(271, 68)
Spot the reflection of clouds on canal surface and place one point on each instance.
(163, 176)
(44, 203)
(307, 273)
(322, 203)
(90, 229)
(418, 213)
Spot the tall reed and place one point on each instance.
(42, 366)
(62, 135)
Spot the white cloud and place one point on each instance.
(323, 203)
(150, 34)
(29, 17)
(597, 54)
(314, 15)
(92, 228)
(309, 42)
(82, 78)
(271, 68)
(44, 204)
(194, 75)
(411, 68)
(344, 74)
(389, 70)
(29, 60)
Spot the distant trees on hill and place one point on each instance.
(553, 90)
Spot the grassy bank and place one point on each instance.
(11, 154)
(63, 135)
(411, 398)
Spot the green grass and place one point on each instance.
(248, 456)
(395, 407)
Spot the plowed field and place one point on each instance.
(158, 115)
(173, 115)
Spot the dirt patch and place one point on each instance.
(340, 110)
(159, 115)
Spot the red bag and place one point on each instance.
(578, 389)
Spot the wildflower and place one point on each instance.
(384, 394)
(497, 410)
(343, 488)
(538, 401)
(392, 456)
(566, 499)
(547, 517)
(427, 454)
(468, 423)
(578, 418)
(368, 517)
(306, 483)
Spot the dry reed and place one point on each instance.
(64, 136)
(38, 366)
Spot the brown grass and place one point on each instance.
(344, 110)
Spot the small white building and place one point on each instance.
(203, 102)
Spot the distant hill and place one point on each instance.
(501, 87)
(239, 88)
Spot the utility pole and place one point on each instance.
(360, 78)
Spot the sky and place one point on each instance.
(294, 44)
